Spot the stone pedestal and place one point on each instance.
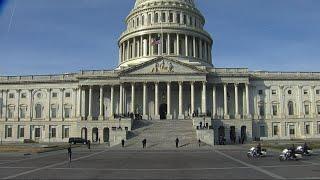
(169, 117)
(237, 116)
(181, 117)
(145, 117)
(226, 117)
(101, 118)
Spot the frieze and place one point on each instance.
(163, 67)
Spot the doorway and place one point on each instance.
(163, 111)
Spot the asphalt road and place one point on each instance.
(221, 163)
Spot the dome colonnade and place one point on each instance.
(171, 28)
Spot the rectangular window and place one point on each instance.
(163, 17)
(23, 95)
(260, 92)
(10, 113)
(305, 92)
(178, 18)
(291, 130)
(307, 109)
(53, 112)
(318, 109)
(37, 133)
(67, 112)
(190, 21)
(54, 95)
(149, 19)
(261, 110)
(68, 95)
(274, 109)
(262, 131)
(184, 19)
(8, 131)
(307, 129)
(318, 127)
(171, 17)
(11, 95)
(23, 111)
(53, 132)
(275, 130)
(317, 91)
(274, 92)
(21, 131)
(65, 132)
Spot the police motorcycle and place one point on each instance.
(305, 152)
(287, 155)
(253, 153)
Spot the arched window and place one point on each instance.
(38, 109)
(290, 108)
(156, 18)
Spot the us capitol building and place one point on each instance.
(165, 72)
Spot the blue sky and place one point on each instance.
(59, 36)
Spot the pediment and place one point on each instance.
(163, 66)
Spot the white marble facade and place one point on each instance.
(165, 72)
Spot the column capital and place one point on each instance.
(18, 90)
(74, 89)
(156, 82)
(204, 82)
(180, 82)
(281, 87)
(236, 84)
(62, 89)
(133, 83)
(192, 82)
(49, 89)
(313, 87)
(300, 86)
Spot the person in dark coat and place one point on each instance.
(199, 141)
(69, 153)
(122, 143)
(144, 143)
(177, 143)
(89, 144)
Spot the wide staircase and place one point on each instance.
(161, 135)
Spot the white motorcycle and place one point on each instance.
(302, 151)
(286, 155)
(253, 153)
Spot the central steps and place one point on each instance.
(162, 135)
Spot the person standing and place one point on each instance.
(177, 143)
(69, 153)
(144, 143)
(89, 144)
(199, 141)
(122, 143)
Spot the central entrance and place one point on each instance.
(163, 111)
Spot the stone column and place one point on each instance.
(145, 47)
(214, 101)
(49, 104)
(225, 101)
(178, 44)
(134, 48)
(111, 101)
(236, 102)
(79, 101)
(169, 116)
(62, 103)
(120, 53)
(1, 105)
(101, 114)
(204, 98)
(192, 97)
(268, 103)
(18, 105)
(145, 116)
(156, 100)
(128, 49)
(141, 46)
(300, 102)
(121, 99)
(149, 44)
(194, 47)
(90, 104)
(83, 104)
(168, 42)
(313, 106)
(186, 45)
(181, 113)
(247, 102)
(74, 96)
(30, 104)
(132, 98)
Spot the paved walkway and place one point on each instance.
(228, 162)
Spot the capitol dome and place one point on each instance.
(165, 28)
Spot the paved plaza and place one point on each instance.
(227, 162)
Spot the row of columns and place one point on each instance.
(180, 103)
(31, 103)
(133, 48)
